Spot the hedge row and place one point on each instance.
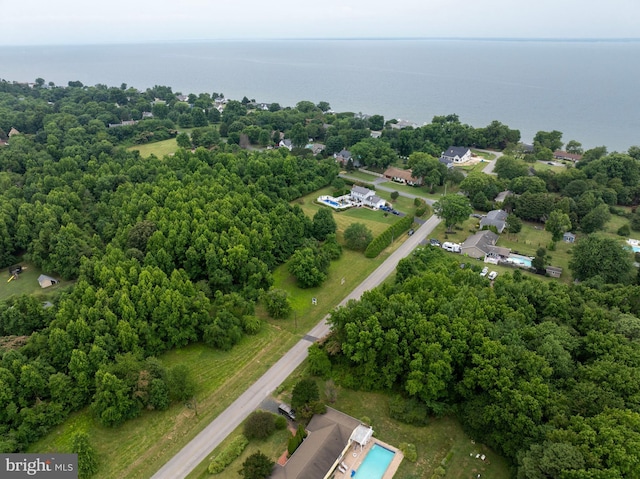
(228, 455)
(382, 241)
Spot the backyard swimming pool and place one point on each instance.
(375, 464)
(335, 203)
(519, 260)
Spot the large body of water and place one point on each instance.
(587, 90)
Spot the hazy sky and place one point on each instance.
(122, 21)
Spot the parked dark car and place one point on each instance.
(385, 208)
(395, 212)
(411, 232)
(286, 410)
(476, 215)
(434, 242)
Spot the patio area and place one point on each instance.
(355, 455)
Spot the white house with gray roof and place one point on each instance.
(366, 197)
(457, 154)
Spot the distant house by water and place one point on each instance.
(563, 155)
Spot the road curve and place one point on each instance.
(211, 436)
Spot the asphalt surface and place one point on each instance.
(210, 437)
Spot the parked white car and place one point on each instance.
(484, 271)
(493, 275)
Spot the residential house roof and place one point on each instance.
(361, 190)
(503, 196)
(482, 240)
(394, 172)
(329, 434)
(344, 154)
(446, 161)
(13, 131)
(374, 199)
(563, 155)
(499, 251)
(456, 151)
(43, 279)
(497, 218)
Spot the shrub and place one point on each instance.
(408, 411)
(319, 363)
(281, 423)
(624, 230)
(409, 450)
(228, 455)
(259, 425)
(277, 304)
(256, 466)
(365, 420)
(304, 392)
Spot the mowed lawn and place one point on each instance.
(158, 148)
(441, 440)
(27, 283)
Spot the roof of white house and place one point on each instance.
(361, 190)
(456, 151)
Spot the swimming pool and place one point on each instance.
(520, 260)
(376, 463)
(335, 203)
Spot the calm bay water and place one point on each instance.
(587, 90)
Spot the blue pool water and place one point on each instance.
(521, 260)
(635, 248)
(331, 203)
(375, 464)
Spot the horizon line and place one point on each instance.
(372, 38)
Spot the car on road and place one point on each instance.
(286, 410)
(434, 242)
(411, 232)
(484, 271)
(492, 275)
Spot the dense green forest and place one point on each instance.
(547, 374)
(165, 252)
(168, 251)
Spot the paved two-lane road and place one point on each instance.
(210, 437)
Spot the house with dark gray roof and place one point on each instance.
(457, 154)
(497, 218)
(329, 436)
(479, 245)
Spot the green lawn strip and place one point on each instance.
(158, 148)
(402, 203)
(484, 154)
(544, 167)
(27, 283)
(412, 190)
(361, 175)
(140, 446)
(353, 267)
(272, 447)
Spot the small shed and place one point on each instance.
(554, 271)
(361, 435)
(569, 237)
(46, 281)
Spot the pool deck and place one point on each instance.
(354, 458)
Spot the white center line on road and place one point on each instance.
(211, 436)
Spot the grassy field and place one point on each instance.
(158, 148)
(27, 283)
(483, 154)
(361, 175)
(538, 166)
